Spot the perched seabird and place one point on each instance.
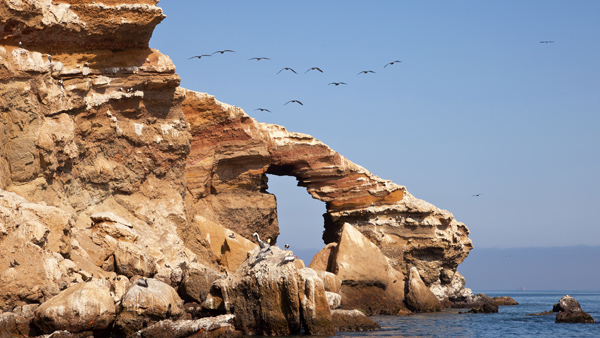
(313, 68)
(50, 58)
(295, 101)
(86, 64)
(199, 56)
(169, 311)
(288, 259)
(258, 59)
(232, 235)
(224, 51)
(391, 63)
(143, 282)
(262, 109)
(263, 245)
(338, 83)
(75, 280)
(20, 44)
(287, 68)
(365, 72)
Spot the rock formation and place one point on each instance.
(110, 173)
(569, 311)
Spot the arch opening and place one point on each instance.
(300, 217)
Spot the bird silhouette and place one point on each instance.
(295, 101)
(258, 59)
(262, 109)
(199, 56)
(287, 246)
(477, 195)
(390, 63)
(338, 83)
(365, 72)
(287, 68)
(313, 68)
(546, 41)
(224, 51)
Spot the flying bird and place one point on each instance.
(200, 56)
(366, 71)
(546, 41)
(15, 263)
(224, 51)
(262, 109)
(313, 68)
(391, 63)
(338, 83)
(295, 101)
(477, 195)
(287, 68)
(287, 246)
(258, 59)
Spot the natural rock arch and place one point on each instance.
(231, 154)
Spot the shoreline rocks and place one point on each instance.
(569, 311)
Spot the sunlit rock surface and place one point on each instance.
(110, 171)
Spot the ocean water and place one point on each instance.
(510, 321)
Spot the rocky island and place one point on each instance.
(128, 204)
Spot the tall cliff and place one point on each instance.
(93, 120)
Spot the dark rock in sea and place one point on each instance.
(352, 320)
(566, 304)
(504, 301)
(480, 303)
(569, 311)
(574, 317)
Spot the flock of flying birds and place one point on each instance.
(290, 70)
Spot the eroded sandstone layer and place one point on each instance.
(231, 153)
(113, 175)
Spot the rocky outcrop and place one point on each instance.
(419, 298)
(479, 303)
(82, 307)
(231, 153)
(569, 311)
(111, 173)
(272, 295)
(147, 301)
(504, 301)
(352, 320)
(368, 281)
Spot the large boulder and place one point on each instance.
(368, 281)
(273, 294)
(197, 281)
(419, 298)
(81, 307)
(219, 326)
(352, 320)
(230, 249)
(147, 301)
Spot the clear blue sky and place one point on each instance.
(477, 106)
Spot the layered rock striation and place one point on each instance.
(118, 185)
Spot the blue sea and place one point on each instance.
(510, 321)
